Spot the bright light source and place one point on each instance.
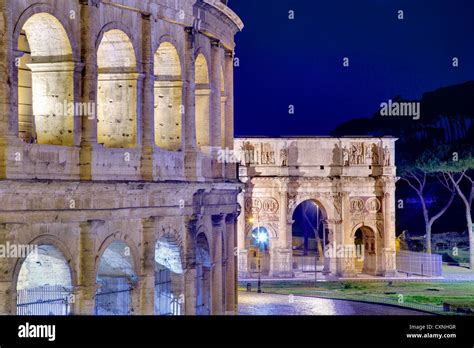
(262, 237)
(251, 220)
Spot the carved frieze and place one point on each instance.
(359, 153)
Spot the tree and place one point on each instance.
(417, 179)
(456, 162)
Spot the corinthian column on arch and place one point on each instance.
(389, 234)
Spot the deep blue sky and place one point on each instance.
(299, 62)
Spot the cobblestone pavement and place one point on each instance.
(271, 304)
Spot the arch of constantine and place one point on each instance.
(350, 180)
(111, 116)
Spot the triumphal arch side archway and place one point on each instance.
(350, 181)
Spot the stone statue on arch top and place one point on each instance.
(345, 156)
(375, 154)
(386, 156)
(284, 156)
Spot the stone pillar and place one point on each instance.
(189, 102)
(242, 257)
(326, 248)
(345, 265)
(147, 108)
(215, 108)
(216, 288)
(231, 264)
(284, 233)
(57, 79)
(223, 121)
(7, 286)
(389, 235)
(147, 272)
(229, 106)
(8, 119)
(89, 24)
(190, 273)
(216, 136)
(85, 290)
(281, 263)
(231, 168)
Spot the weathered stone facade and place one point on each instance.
(351, 179)
(147, 90)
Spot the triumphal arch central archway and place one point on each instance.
(347, 185)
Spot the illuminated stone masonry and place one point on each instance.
(351, 180)
(112, 114)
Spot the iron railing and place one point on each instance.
(426, 265)
(44, 300)
(114, 297)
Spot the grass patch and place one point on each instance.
(430, 293)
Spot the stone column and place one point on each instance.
(389, 235)
(231, 264)
(58, 80)
(147, 274)
(241, 230)
(345, 265)
(216, 136)
(147, 108)
(8, 119)
(223, 121)
(217, 291)
(282, 255)
(189, 244)
(231, 168)
(215, 108)
(284, 233)
(7, 287)
(89, 24)
(229, 112)
(330, 253)
(85, 290)
(189, 102)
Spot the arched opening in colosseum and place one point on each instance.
(45, 82)
(169, 107)
(117, 91)
(203, 276)
(169, 277)
(223, 109)
(116, 279)
(365, 250)
(258, 246)
(203, 93)
(308, 236)
(44, 284)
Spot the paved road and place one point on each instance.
(270, 304)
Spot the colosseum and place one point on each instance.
(113, 198)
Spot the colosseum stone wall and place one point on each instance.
(112, 116)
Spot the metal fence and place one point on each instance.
(114, 297)
(44, 300)
(166, 303)
(429, 265)
(305, 263)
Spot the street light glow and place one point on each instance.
(262, 237)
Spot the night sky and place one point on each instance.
(299, 62)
